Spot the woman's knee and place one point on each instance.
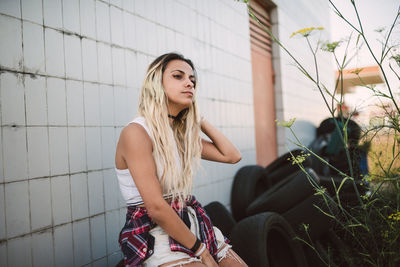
(184, 262)
(231, 259)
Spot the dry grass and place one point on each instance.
(384, 156)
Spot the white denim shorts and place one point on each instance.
(163, 254)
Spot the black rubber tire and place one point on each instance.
(283, 167)
(267, 240)
(283, 161)
(306, 213)
(282, 198)
(220, 217)
(247, 185)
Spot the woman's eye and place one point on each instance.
(177, 76)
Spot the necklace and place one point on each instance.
(172, 116)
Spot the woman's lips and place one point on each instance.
(189, 93)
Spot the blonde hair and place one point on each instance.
(153, 103)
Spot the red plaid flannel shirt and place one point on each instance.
(137, 244)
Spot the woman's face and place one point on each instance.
(178, 81)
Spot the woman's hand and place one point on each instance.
(207, 259)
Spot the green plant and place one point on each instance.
(370, 226)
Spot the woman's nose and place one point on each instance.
(189, 83)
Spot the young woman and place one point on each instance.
(156, 156)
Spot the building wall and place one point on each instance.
(70, 75)
(295, 95)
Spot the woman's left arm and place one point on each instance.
(220, 149)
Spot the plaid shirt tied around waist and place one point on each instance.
(137, 243)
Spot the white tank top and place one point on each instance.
(127, 185)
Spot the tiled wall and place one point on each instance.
(295, 96)
(70, 76)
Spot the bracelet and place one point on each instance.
(196, 246)
(201, 250)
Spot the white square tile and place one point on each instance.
(73, 58)
(88, 18)
(3, 213)
(58, 149)
(63, 248)
(115, 258)
(32, 10)
(79, 196)
(1, 158)
(61, 199)
(112, 230)
(38, 152)
(33, 47)
(111, 190)
(107, 105)
(52, 13)
(117, 3)
(131, 72)
(19, 251)
(133, 99)
(42, 249)
(104, 63)
(11, 43)
(56, 102)
(93, 148)
(159, 12)
(140, 8)
(129, 30)
(108, 146)
(161, 36)
(118, 66)
(121, 105)
(96, 192)
(141, 34)
(3, 255)
(40, 203)
(103, 21)
(17, 212)
(71, 15)
(152, 39)
(98, 236)
(102, 262)
(77, 149)
(142, 64)
(11, 7)
(81, 237)
(12, 99)
(89, 60)
(15, 154)
(54, 46)
(36, 104)
(128, 5)
(75, 110)
(92, 104)
(117, 27)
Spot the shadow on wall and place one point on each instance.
(305, 132)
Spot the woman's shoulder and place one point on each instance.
(135, 135)
(140, 120)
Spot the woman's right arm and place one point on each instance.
(136, 148)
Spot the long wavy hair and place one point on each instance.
(185, 131)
